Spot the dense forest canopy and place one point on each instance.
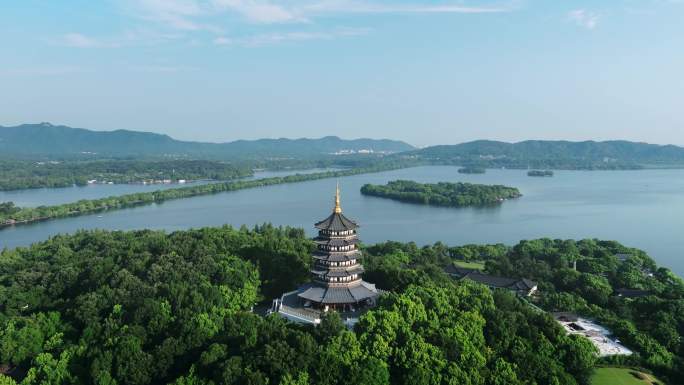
(587, 277)
(147, 307)
(443, 193)
(16, 174)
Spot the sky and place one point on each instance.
(426, 72)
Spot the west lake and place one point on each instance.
(643, 209)
(56, 196)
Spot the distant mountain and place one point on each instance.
(561, 154)
(45, 139)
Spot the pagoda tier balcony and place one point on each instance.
(323, 235)
(337, 234)
(352, 282)
(336, 265)
(336, 241)
(337, 272)
(331, 249)
(338, 257)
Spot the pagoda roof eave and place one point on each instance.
(337, 257)
(336, 222)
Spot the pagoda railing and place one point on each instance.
(307, 315)
(339, 284)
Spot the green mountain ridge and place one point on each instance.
(45, 139)
(536, 153)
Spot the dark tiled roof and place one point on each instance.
(460, 271)
(336, 272)
(336, 241)
(339, 295)
(491, 280)
(336, 222)
(336, 257)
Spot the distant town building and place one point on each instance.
(523, 287)
(336, 282)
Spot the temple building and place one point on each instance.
(336, 271)
(520, 286)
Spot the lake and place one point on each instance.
(56, 196)
(640, 208)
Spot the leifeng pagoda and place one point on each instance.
(336, 282)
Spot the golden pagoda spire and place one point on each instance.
(338, 208)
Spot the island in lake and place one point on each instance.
(472, 170)
(540, 173)
(442, 193)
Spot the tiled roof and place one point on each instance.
(336, 241)
(358, 269)
(339, 295)
(516, 284)
(336, 222)
(337, 257)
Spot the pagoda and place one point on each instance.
(336, 271)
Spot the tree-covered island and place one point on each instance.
(472, 170)
(540, 173)
(443, 193)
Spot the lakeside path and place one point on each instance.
(28, 215)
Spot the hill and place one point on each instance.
(45, 139)
(555, 154)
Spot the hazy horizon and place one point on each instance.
(427, 73)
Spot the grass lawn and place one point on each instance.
(470, 265)
(620, 376)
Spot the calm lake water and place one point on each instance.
(56, 196)
(643, 209)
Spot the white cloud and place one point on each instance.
(186, 14)
(584, 18)
(190, 19)
(260, 11)
(346, 6)
(79, 41)
(278, 37)
(127, 38)
(222, 40)
(177, 14)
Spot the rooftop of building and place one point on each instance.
(476, 275)
(345, 294)
(291, 307)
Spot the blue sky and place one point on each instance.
(428, 72)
